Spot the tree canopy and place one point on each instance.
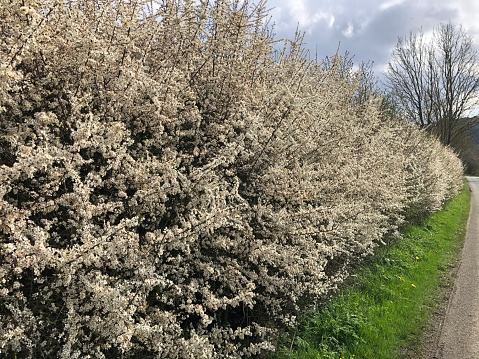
(435, 82)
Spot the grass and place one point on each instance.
(392, 297)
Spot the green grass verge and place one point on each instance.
(392, 297)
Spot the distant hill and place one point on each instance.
(475, 134)
(474, 131)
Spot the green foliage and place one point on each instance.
(171, 187)
(392, 296)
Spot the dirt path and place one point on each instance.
(459, 336)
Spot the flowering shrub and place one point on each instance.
(171, 187)
(431, 174)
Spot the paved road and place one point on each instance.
(459, 338)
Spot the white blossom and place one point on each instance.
(171, 186)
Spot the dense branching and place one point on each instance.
(435, 83)
(170, 187)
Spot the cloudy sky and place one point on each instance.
(367, 29)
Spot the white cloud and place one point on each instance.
(329, 18)
(302, 13)
(468, 11)
(368, 29)
(349, 31)
(299, 12)
(389, 4)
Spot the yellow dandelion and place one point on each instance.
(413, 285)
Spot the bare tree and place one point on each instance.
(436, 82)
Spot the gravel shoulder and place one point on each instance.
(455, 332)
